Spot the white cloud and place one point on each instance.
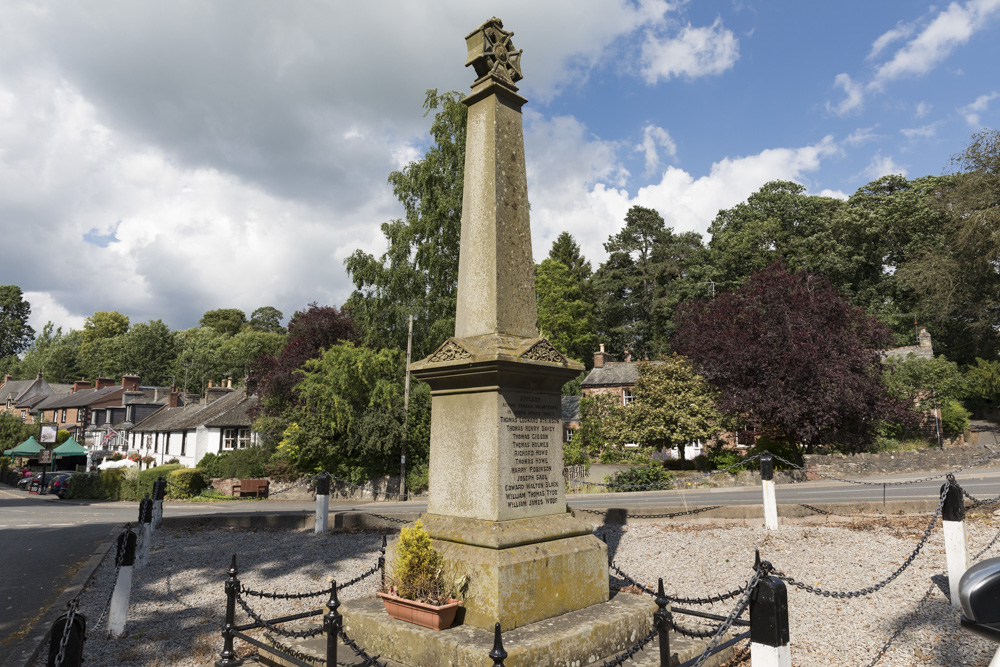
(836, 194)
(901, 31)
(922, 109)
(860, 136)
(46, 308)
(853, 96)
(654, 138)
(925, 132)
(593, 212)
(951, 28)
(971, 111)
(694, 52)
(882, 166)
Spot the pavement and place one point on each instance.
(819, 501)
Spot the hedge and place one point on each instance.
(186, 478)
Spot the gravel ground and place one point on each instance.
(178, 601)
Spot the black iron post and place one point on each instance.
(333, 623)
(159, 489)
(498, 655)
(381, 560)
(661, 619)
(68, 641)
(125, 548)
(954, 505)
(323, 484)
(769, 610)
(766, 467)
(145, 510)
(228, 656)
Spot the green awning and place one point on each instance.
(70, 448)
(27, 448)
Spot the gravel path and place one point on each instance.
(178, 601)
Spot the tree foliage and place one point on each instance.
(791, 357)
(15, 333)
(226, 321)
(672, 406)
(565, 316)
(418, 273)
(348, 416)
(309, 333)
(267, 318)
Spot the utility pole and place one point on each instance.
(406, 413)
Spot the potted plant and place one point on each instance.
(416, 592)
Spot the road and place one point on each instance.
(44, 541)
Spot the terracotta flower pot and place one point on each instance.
(426, 615)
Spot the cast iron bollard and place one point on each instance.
(159, 493)
(125, 558)
(661, 619)
(497, 655)
(956, 540)
(769, 638)
(322, 503)
(333, 622)
(228, 656)
(68, 634)
(145, 532)
(767, 483)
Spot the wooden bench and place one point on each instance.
(254, 487)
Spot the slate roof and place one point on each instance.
(613, 373)
(13, 389)
(229, 410)
(571, 409)
(78, 399)
(26, 393)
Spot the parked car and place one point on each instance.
(26, 482)
(59, 482)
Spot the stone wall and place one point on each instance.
(887, 463)
(376, 489)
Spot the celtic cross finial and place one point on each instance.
(491, 52)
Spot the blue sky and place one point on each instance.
(164, 159)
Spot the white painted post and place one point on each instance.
(956, 540)
(995, 662)
(123, 584)
(767, 482)
(769, 637)
(322, 503)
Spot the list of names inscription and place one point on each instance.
(531, 427)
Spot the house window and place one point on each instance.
(63, 416)
(235, 438)
(184, 438)
(8, 402)
(627, 396)
(23, 413)
(569, 434)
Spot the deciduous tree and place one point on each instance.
(15, 333)
(672, 406)
(418, 274)
(790, 356)
(226, 321)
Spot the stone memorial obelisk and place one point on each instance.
(497, 509)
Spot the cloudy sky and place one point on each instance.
(167, 158)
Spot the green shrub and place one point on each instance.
(416, 572)
(651, 475)
(87, 485)
(111, 483)
(192, 479)
(954, 417)
(417, 478)
(246, 463)
(283, 470)
(574, 453)
(210, 464)
(139, 483)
